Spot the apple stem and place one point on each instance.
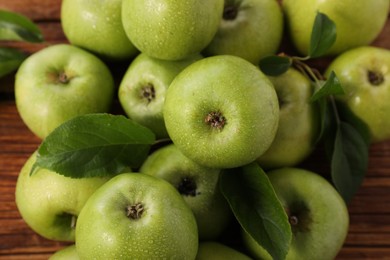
(293, 220)
(63, 78)
(135, 211)
(73, 222)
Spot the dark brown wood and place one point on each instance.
(369, 232)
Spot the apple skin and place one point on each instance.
(169, 29)
(321, 214)
(58, 83)
(66, 253)
(250, 29)
(212, 250)
(197, 184)
(298, 125)
(96, 25)
(49, 202)
(159, 223)
(365, 76)
(142, 89)
(358, 22)
(221, 112)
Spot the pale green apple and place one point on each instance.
(221, 112)
(96, 25)
(142, 89)
(197, 184)
(171, 29)
(66, 253)
(49, 202)
(58, 83)
(364, 73)
(358, 23)
(298, 126)
(317, 213)
(213, 250)
(136, 216)
(250, 29)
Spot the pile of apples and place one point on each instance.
(193, 80)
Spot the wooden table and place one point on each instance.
(369, 234)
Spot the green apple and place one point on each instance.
(96, 25)
(221, 112)
(317, 213)
(212, 250)
(358, 23)
(197, 184)
(66, 253)
(49, 202)
(143, 87)
(298, 122)
(58, 83)
(364, 73)
(169, 29)
(136, 216)
(250, 29)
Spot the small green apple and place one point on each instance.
(58, 83)
(250, 29)
(298, 122)
(136, 216)
(364, 73)
(96, 25)
(358, 23)
(221, 112)
(317, 213)
(143, 87)
(212, 250)
(49, 202)
(66, 253)
(171, 30)
(197, 184)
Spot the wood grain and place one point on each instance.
(369, 232)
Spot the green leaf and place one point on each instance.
(331, 86)
(17, 27)
(275, 65)
(323, 35)
(349, 160)
(95, 145)
(10, 60)
(258, 210)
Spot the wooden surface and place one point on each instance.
(369, 234)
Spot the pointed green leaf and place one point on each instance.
(331, 86)
(10, 60)
(323, 35)
(275, 65)
(17, 27)
(258, 210)
(95, 145)
(349, 161)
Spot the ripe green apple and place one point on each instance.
(317, 213)
(169, 29)
(136, 216)
(197, 184)
(49, 202)
(212, 250)
(358, 23)
(66, 253)
(221, 112)
(298, 122)
(250, 29)
(58, 83)
(364, 73)
(96, 25)
(143, 87)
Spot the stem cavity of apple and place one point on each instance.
(375, 78)
(215, 119)
(230, 12)
(148, 92)
(135, 211)
(187, 187)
